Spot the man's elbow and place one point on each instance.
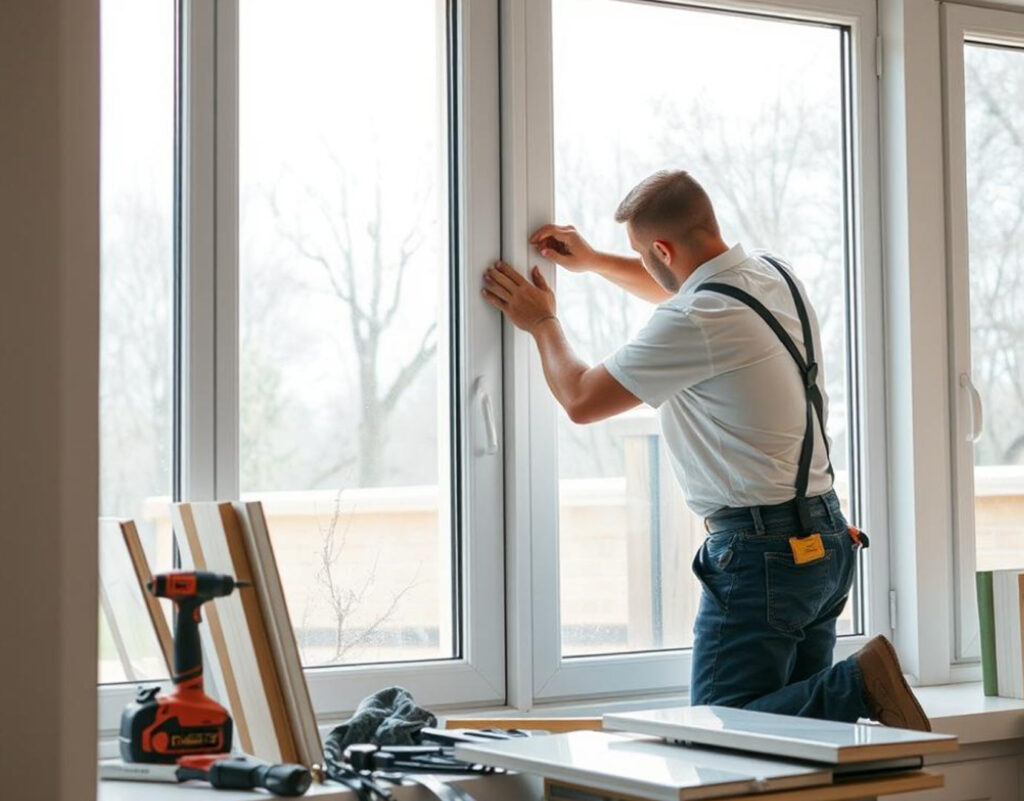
(582, 412)
(597, 397)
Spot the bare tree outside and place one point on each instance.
(367, 274)
(346, 595)
(136, 356)
(344, 310)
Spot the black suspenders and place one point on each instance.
(808, 370)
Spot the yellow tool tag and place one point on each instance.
(807, 549)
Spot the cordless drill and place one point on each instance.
(185, 721)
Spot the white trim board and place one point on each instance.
(781, 735)
(643, 767)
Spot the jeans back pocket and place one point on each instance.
(710, 566)
(796, 592)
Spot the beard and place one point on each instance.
(662, 274)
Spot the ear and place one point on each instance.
(665, 251)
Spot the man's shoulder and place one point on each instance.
(755, 275)
(714, 311)
(749, 275)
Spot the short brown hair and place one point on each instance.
(670, 202)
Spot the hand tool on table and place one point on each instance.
(186, 721)
(223, 771)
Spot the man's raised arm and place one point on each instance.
(563, 245)
(588, 394)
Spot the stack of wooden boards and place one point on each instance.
(1000, 614)
(251, 659)
(702, 752)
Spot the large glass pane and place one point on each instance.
(136, 297)
(753, 108)
(994, 86)
(345, 318)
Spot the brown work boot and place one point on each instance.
(889, 698)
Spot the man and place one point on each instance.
(728, 359)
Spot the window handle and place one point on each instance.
(977, 412)
(487, 415)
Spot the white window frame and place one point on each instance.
(511, 650)
(962, 24)
(208, 347)
(538, 673)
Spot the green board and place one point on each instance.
(987, 629)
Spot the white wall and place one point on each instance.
(49, 310)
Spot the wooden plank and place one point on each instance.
(256, 626)
(284, 648)
(143, 574)
(217, 539)
(855, 790)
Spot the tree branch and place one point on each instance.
(409, 371)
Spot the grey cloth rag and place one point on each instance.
(388, 717)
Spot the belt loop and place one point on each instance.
(826, 500)
(755, 513)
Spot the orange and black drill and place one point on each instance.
(186, 721)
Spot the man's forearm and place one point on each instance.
(629, 273)
(587, 394)
(563, 369)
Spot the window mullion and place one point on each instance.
(226, 247)
(916, 360)
(531, 452)
(477, 137)
(197, 274)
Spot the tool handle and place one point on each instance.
(188, 653)
(242, 773)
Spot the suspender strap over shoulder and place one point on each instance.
(808, 367)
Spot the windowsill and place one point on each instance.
(960, 709)
(964, 710)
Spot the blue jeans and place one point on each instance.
(766, 627)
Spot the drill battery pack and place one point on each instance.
(162, 728)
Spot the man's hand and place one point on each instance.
(526, 304)
(563, 245)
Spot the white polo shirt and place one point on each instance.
(729, 395)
